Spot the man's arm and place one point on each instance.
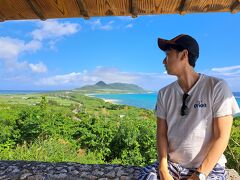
(162, 146)
(221, 134)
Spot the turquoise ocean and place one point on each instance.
(146, 101)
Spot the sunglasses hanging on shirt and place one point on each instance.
(184, 108)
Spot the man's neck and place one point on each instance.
(187, 80)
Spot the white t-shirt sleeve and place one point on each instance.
(160, 111)
(224, 103)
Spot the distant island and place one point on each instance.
(102, 87)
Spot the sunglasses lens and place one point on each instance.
(184, 108)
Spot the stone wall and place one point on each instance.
(27, 170)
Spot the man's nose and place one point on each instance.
(164, 61)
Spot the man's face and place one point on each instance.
(172, 62)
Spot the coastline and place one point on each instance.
(146, 101)
(113, 101)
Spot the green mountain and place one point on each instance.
(102, 87)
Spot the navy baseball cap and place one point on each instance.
(181, 41)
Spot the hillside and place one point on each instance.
(72, 127)
(102, 87)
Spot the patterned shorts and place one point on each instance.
(180, 173)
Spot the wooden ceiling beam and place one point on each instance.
(182, 7)
(35, 8)
(2, 18)
(82, 9)
(234, 8)
(133, 8)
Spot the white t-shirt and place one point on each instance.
(189, 135)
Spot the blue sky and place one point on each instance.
(70, 53)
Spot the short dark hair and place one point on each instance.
(180, 43)
(191, 58)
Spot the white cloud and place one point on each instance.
(111, 22)
(114, 75)
(11, 48)
(129, 26)
(60, 79)
(228, 71)
(231, 74)
(52, 44)
(106, 27)
(17, 78)
(100, 73)
(108, 75)
(33, 46)
(125, 18)
(53, 29)
(38, 68)
(123, 22)
(97, 24)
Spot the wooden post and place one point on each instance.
(235, 6)
(82, 9)
(2, 18)
(133, 8)
(182, 7)
(33, 5)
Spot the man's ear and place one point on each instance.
(184, 54)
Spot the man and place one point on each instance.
(194, 118)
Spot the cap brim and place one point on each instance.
(164, 44)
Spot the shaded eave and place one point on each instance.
(48, 9)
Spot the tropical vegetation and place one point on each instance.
(69, 126)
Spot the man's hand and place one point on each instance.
(165, 176)
(221, 133)
(193, 177)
